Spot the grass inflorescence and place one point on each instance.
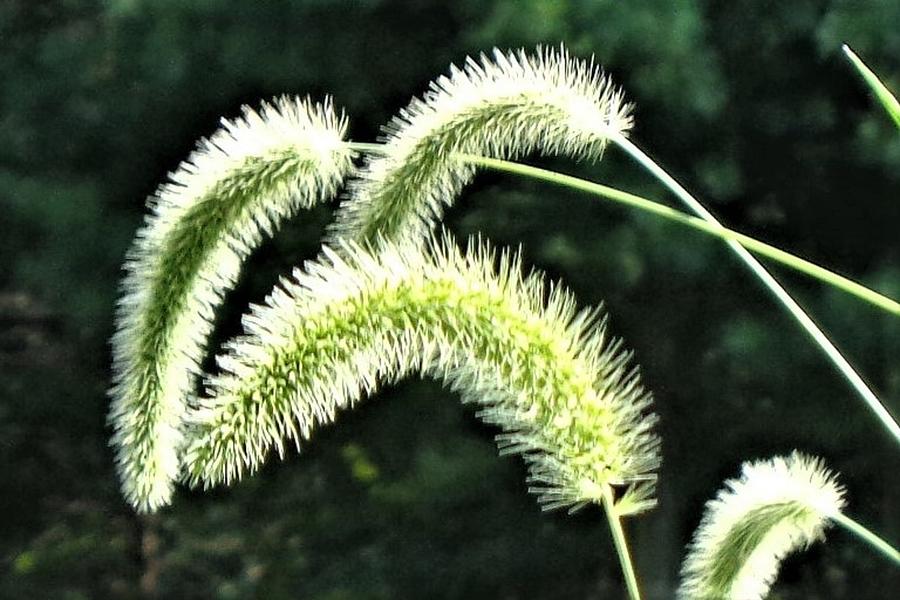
(387, 299)
(237, 187)
(546, 374)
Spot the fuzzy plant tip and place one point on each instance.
(503, 106)
(562, 393)
(237, 187)
(775, 507)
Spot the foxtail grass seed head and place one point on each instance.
(503, 107)
(777, 506)
(236, 187)
(562, 393)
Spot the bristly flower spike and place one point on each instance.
(235, 188)
(546, 374)
(777, 506)
(504, 107)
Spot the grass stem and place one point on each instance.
(867, 536)
(887, 99)
(615, 526)
(817, 335)
(716, 230)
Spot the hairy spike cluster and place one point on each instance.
(236, 187)
(775, 507)
(564, 397)
(503, 107)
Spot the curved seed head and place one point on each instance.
(562, 393)
(236, 187)
(503, 107)
(777, 506)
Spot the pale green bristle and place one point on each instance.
(353, 321)
(776, 507)
(236, 188)
(505, 106)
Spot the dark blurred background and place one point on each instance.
(748, 102)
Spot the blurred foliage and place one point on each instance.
(749, 103)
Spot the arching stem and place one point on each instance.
(780, 256)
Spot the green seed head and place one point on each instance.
(776, 507)
(547, 375)
(237, 187)
(503, 107)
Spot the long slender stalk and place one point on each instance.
(867, 536)
(615, 526)
(818, 336)
(716, 230)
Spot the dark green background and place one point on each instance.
(749, 103)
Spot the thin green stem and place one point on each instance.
(818, 336)
(887, 99)
(615, 526)
(867, 536)
(716, 230)
(786, 259)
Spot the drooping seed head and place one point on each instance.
(776, 507)
(547, 375)
(236, 187)
(503, 107)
